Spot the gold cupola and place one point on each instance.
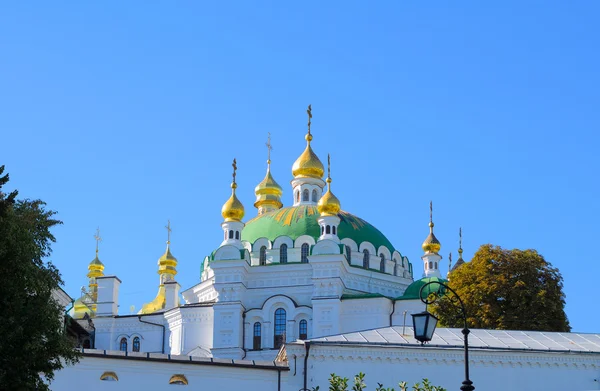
(308, 164)
(233, 210)
(86, 304)
(167, 264)
(268, 192)
(431, 244)
(329, 204)
(95, 270)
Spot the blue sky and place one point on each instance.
(124, 115)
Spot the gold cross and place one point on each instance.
(430, 211)
(460, 237)
(98, 238)
(234, 165)
(168, 227)
(309, 112)
(269, 147)
(328, 166)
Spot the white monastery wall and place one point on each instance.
(490, 370)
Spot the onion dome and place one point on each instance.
(329, 204)
(167, 262)
(308, 164)
(431, 243)
(95, 268)
(233, 210)
(268, 192)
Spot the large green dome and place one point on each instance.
(413, 290)
(295, 221)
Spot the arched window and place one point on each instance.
(322, 230)
(237, 235)
(426, 264)
(280, 323)
(305, 195)
(136, 344)
(436, 265)
(123, 344)
(303, 329)
(283, 253)
(180, 380)
(382, 263)
(395, 267)
(366, 258)
(230, 234)
(328, 229)
(349, 254)
(109, 376)
(333, 229)
(297, 196)
(304, 253)
(431, 265)
(314, 196)
(262, 258)
(256, 342)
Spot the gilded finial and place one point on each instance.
(328, 168)
(269, 148)
(98, 239)
(233, 210)
(168, 227)
(309, 112)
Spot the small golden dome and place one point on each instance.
(167, 262)
(233, 210)
(308, 164)
(431, 244)
(268, 192)
(95, 268)
(329, 204)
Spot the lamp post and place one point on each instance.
(424, 324)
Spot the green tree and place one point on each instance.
(33, 344)
(338, 383)
(506, 290)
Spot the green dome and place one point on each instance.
(295, 221)
(413, 290)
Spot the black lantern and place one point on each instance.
(424, 325)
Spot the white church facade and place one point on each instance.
(294, 294)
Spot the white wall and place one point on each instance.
(490, 370)
(152, 375)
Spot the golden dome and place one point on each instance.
(167, 262)
(268, 192)
(95, 268)
(329, 204)
(308, 164)
(233, 210)
(431, 244)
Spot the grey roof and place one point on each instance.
(98, 353)
(478, 339)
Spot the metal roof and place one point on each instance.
(478, 339)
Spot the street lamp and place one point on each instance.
(424, 324)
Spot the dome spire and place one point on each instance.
(268, 192)
(167, 264)
(95, 269)
(308, 164)
(460, 260)
(431, 244)
(233, 210)
(329, 204)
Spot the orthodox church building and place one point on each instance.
(278, 282)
